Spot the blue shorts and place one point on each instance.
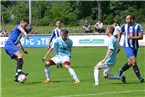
(130, 52)
(11, 49)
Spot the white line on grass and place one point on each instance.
(103, 93)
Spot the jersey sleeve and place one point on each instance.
(54, 43)
(139, 29)
(53, 34)
(123, 28)
(71, 44)
(110, 46)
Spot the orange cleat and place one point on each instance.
(46, 81)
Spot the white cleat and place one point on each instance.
(96, 84)
(77, 81)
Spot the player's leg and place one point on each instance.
(19, 58)
(136, 69)
(96, 73)
(66, 61)
(107, 74)
(129, 53)
(125, 67)
(71, 71)
(47, 69)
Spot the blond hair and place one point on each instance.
(110, 27)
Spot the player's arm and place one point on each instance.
(51, 38)
(50, 42)
(23, 31)
(48, 52)
(139, 37)
(21, 47)
(107, 55)
(119, 35)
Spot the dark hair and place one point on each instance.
(131, 16)
(115, 21)
(64, 31)
(25, 20)
(99, 20)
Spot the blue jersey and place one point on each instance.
(55, 33)
(63, 47)
(114, 46)
(15, 35)
(133, 30)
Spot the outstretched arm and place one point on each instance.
(48, 52)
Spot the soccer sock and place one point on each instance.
(136, 70)
(110, 76)
(47, 73)
(19, 65)
(96, 76)
(125, 67)
(73, 74)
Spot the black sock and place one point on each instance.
(136, 70)
(125, 67)
(19, 65)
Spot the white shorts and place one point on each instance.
(60, 59)
(105, 67)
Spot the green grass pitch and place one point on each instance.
(83, 61)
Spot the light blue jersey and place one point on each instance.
(114, 46)
(63, 47)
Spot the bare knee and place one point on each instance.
(47, 64)
(96, 67)
(20, 56)
(133, 61)
(67, 67)
(105, 75)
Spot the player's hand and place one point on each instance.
(48, 47)
(26, 35)
(103, 61)
(129, 36)
(118, 51)
(25, 52)
(43, 59)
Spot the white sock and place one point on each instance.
(114, 77)
(73, 74)
(96, 76)
(47, 73)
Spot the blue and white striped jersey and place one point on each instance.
(55, 33)
(133, 30)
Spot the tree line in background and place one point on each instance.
(71, 13)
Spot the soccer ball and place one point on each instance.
(22, 78)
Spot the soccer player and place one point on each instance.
(109, 60)
(132, 33)
(64, 45)
(117, 28)
(11, 46)
(54, 35)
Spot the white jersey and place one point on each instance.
(116, 30)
